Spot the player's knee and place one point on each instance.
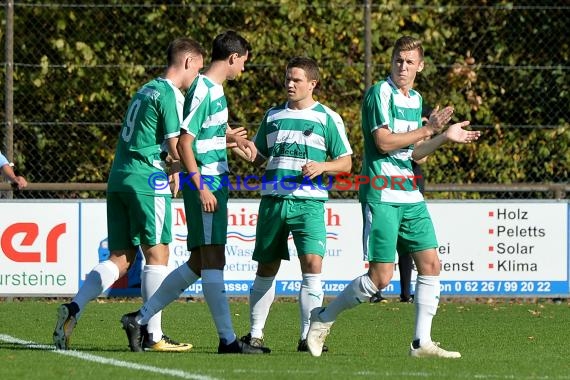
(431, 268)
(382, 283)
(427, 262)
(380, 274)
(268, 269)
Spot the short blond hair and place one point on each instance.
(407, 43)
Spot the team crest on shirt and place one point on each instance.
(309, 131)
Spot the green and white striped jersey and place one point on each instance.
(291, 138)
(154, 115)
(205, 118)
(390, 174)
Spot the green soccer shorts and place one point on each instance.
(277, 217)
(388, 228)
(134, 219)
(205, 228)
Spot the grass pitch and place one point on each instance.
(498, 340)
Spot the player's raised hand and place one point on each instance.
(457, 134)
(438, 119)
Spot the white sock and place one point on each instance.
(152, 277)
(426, 301)
(358, 291)
(310, 297)
(261, 296)
(101, 277)
(215, 295)
(174, 284)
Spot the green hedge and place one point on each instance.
(501, 66)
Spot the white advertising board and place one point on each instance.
(490, 248)
(40, 249)
(486, 248)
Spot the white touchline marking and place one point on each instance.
(103, 360)
(187, 375)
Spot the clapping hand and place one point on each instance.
(457, 134)
(438, 119)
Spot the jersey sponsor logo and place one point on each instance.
(288, 150)
(221, 132)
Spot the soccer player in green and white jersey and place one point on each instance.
(295, 139)
(138, 193)
(395, 216)
(202, 148)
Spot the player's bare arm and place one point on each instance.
(340, 165)
(184, 147)
(387, 141)
(422, 160)
(18, 181)
(173, 166)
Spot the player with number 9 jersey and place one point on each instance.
(150, 120)
(139, 201)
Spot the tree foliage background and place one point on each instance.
(503, 65)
